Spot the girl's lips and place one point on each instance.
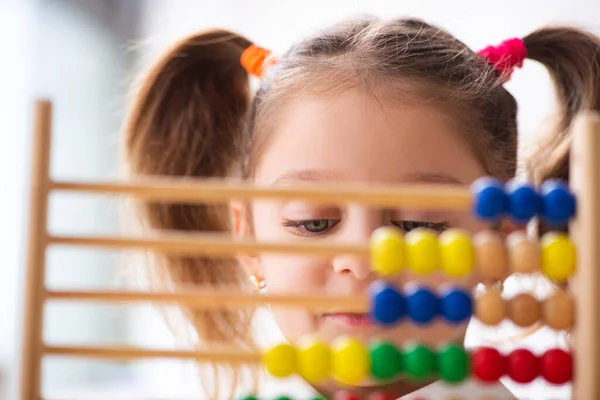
(353, 320)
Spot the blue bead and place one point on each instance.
(489, 199)
(387, 303)
(422, 305)
(523, 201)
(456, 306)
(558, 203)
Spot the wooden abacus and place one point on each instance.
(584, 231)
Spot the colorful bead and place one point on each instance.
(524, 310)
(558, 256)
(491, 255)
(525, 253)
(386, 360)
(249, 397)
(387, 303)
(488, 364)
(387, 251)
(457, 253)
(419, 362)
(522, 366)
(313, 360)
(423, 253)
(454, 364)
(522, 201)
(350, 360)
(283, 398)
(559, 311)
(490, 307)
(456, 306)
(380, 396)
(280, 360)
(421, 305)
(558, 203)
(489, 199)
(556, 366)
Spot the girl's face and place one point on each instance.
(352, 138)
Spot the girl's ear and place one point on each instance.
(241, 229)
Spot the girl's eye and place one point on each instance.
(311, 227)
(410, 225)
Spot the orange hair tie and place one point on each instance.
(256, 60)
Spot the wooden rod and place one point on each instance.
(198, 243)
(417, 196)
(219, 299)
(229, 354)
(36, 254)
(585, 230)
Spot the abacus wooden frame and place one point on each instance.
(585, 229)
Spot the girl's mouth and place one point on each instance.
(354, 320)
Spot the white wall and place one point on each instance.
(16, 25)
(74, 53)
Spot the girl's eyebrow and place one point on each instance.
(318, 175)
(431, 178)
(305, 175)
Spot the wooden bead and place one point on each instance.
(490, 308)
(558, 311)
(491, 256)
(525, 255)
(524, 310)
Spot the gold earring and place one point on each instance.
(258, 282)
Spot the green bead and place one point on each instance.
(419, 362)
(283, 398)
(454, 364)
(250, 397)
(318, 398)
(386, 360)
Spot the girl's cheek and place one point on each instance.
(294, 274)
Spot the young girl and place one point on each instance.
(386, 102)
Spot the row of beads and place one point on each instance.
(421, 305)
(344, 395)
(389, 305)
(340, 395)
(524, 310)
(453, 252)
(522, 202)
(349, 362)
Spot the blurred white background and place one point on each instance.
(83, 54)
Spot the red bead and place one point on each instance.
(344, 396)
(380, 396)
(557, 366)
(488, 364)
(523, 366)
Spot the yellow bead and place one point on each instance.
(314, 360)
(558, 256)
(423, 252)
(350, 360)
(457, 253)
(280, 360)
(387, 251)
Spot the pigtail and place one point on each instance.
(572, 58)
(187, 121)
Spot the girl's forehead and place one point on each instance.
(354, 137)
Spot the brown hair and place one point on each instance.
(194, 116)
(572, 58)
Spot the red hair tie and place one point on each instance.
(506, 56)
(256, 60)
